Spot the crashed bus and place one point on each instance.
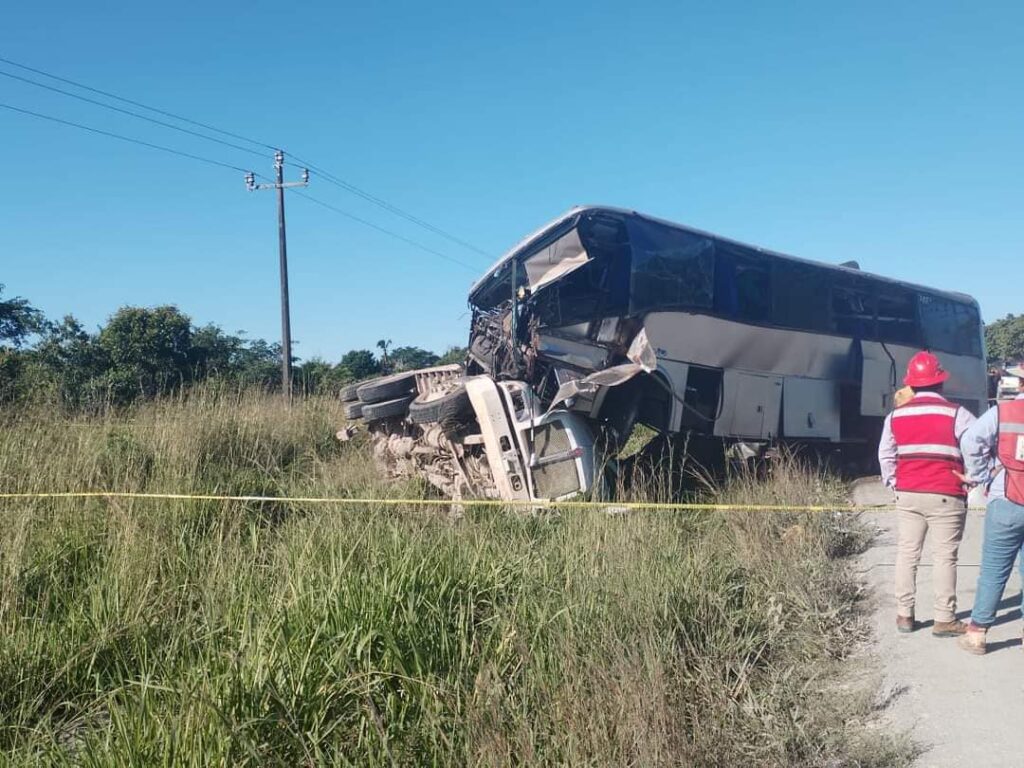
(607, 318)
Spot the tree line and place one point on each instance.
(142, 353)
(1004, 340)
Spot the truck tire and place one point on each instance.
(350, 393)
(353, 410)
(392, 387)
(387, 409)
(436, 407)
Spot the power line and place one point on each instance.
(388, 232)
(394, 209)
(218, 163)
(130, 112)
(123, 138)
(110, 95)
(326, 175)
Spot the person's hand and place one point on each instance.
(968, 483)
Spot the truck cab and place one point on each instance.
(473, 436)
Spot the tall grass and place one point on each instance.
(197, 633)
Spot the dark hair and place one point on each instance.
(937, 388)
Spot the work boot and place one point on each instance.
(905, 623)
(974, 639)
(948, 628)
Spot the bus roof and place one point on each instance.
(524, 246)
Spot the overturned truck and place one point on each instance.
(606, 318)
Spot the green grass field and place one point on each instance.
(211, 633)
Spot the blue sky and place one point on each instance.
(889, 133)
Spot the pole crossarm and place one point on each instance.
(252, 186)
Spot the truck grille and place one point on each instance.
(561, 478)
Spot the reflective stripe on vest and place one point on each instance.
(922, 410)
(927, 450)
(1010, 448)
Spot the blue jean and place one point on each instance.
(1004, 540)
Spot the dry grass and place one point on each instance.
(174, 633)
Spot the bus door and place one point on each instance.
(877, 381)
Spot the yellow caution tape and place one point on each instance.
(545, 504)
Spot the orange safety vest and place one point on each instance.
(927, 451)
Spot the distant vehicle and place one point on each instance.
(607, 318)
(1009, 384)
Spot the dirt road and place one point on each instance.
(963, 709)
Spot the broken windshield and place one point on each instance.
(598, 288)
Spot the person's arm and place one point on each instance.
(977, 445)
(887, 454)
(964, 420)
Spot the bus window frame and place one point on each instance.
(780, 268)
(977, 344)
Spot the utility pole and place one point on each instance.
(282, 241)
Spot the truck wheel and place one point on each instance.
(387, 409)
(349, 393)
(392, 387)
(439, 407)
(353, 410)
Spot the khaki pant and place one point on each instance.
(945, 516)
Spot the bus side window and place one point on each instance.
(671, 268)
(853, 308)
(897, 316)
(743, 281)
(800, 297)
(950, 326)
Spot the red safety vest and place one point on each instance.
(927, 451)
(1011, 448)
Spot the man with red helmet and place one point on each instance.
(994, 457)
(920, 457)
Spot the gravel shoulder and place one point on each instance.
(961, 709)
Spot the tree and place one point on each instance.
(410, 358)
(358, 364)
(1004, 339)
(12, 379)
(383, 346)
(318, 377)
(453, 355)
(215, 353)
(68, 364)
(149, 350)
(259, 362)
(18, 320)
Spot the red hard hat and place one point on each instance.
(924, 370)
